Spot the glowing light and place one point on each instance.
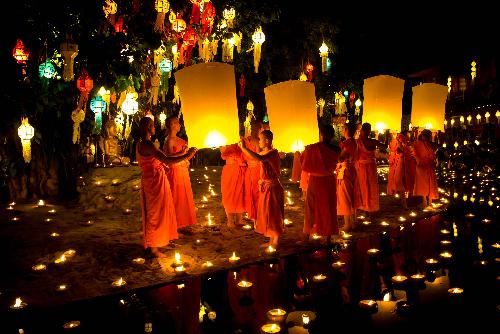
(215, 139)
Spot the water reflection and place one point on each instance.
(398, 275)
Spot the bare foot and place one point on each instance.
(155, 252)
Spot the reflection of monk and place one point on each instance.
(112, 149)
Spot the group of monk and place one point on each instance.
(336, 180)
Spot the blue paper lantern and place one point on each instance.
(165, 65)
(47, 69)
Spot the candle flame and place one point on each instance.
(205, 199)
(18, 302)
(177, 258)
(180, 268)
(41, 202)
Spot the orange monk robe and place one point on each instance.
(233, 179)
(320, 207)
(252, 177)
(304, 180)
(396, 179)
(366, 170)
(296, 168)
(348, 192)
(425, 176)
(271, 207)
(410, 166)
(393, 151)
(158, 211)
(178, 176)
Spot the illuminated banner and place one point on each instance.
(383, 102)
(291, 107)
(208, 100)
(427, 106)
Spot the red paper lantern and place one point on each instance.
(188, 43)
(20, 52)
(195, 12)
(84, 83)
(207, 19)
(309, 71)
(119, 25)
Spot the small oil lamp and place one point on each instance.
(234, 258)
(446, 255)
(69, 253)
(316, 237)
(62, 287)
(18, 304)
(55, 235)
(15, 219)
(413, 214)
(368, 305)
(71, 324)
(52, 211)
(270, 328)
(338, 264)
(127, 211)
(180, 269)
(39, 267)
(270, 250)
(10, 208)
(247, 227)
(399, 279)
(418, 278)
(287, 222)
(384, 223)
(119, 282)
(139, 260)
(456, 291)
(372, 251)
(60, 260)
(244, 285)
(208, 264)
(401, 219)
(319, 278)
(276, 314)
(40, 204)
(366, 222)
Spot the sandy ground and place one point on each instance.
(105, 248)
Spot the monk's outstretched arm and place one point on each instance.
(249, 153)
(147, 148)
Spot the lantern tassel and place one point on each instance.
(77, 116)
(323, 63)
(256, 57)
(159, 24)
(128, 128)
(26, 150)
(155, 87)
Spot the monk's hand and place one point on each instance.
(185, 149)
(191, 152)
(241, 144)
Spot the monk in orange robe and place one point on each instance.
(158, 211)
(232, 184)
(425, 177)
(296, 167)
(348, 192)
(366, 170)
(252, 174)
(319, 160)
(271, 207)
(410, 164)
(178, 175)
(397, 180)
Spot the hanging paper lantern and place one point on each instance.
(98, 106)
(473, 70)
(227, 49)
(303, 77)
(321, 104)
(130, 106)
(165, 65)
(84, 83)
(77, 116)
(449, 84)
(47, 69)
(207, 19)
(179, 25)
(106, 96)
(309, 71)
(323, 52)
(69, 52)
(162, 118)
(162, 7)
(119, 25)
(20, 52)
(357, 104)
(26, 132)
(229, 15)
(258, 39)
(188, 43)
(109, 8)
(195, 12)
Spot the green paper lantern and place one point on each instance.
(165, 65)
(97, 104)
(47, 69)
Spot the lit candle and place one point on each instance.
(413, 214)
(288, 222)
(368, 304)
(87, 223)
(276, 314)
(207, 264)
(346, 235)
(98, 183)
(384, 223)
(367, 222)
(456, 291)
(10, 207)
(305, 319)
(71, 324)
(234, 258)
(127, 211)
(119, 282)
(41, 203)
(180, 269)
(372, 251)
(191, 169)
(496, 245)
(446, 255)
(48, 220)
(338, 264)
(401, 219)
(470, 215)
(60, 260)
(361, 217)
(138, 260)
(62, 287)
(205, 199)
(55, 235)
(316, 237)
(399, 279)
(319, 278)
(115, 182)
(12, 203)
(39, 267)
(418, 277)
(69, 253)
(14, 219)
(445, 231)
(52, 212)
(431, 261)
(18, 304)
(177, 259)
(270, 249)
(137, 187)
(270, 328)
(445, 242)
(247, 227)
(383, 193)
(244, 285)
(109, 198)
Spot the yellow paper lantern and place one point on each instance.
(258, 39)
(162, 118)
(209, 105)
(321, 105)
(473, 69)
(110, 8)
(383, 95)
(428, 106)
(323, 52)
(303, 77)
(229, 14)
(26, 132)
(162, 7)
(291, 107)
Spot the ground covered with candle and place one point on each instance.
(89, 245)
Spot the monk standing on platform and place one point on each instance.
(319, 160)
(348, 193)
(178, 175)
(158, 212)
(232, 184)
(396, 183)
(425, 177)
(252, 174)
(410, 163)
(366, 170)
(271, 207)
